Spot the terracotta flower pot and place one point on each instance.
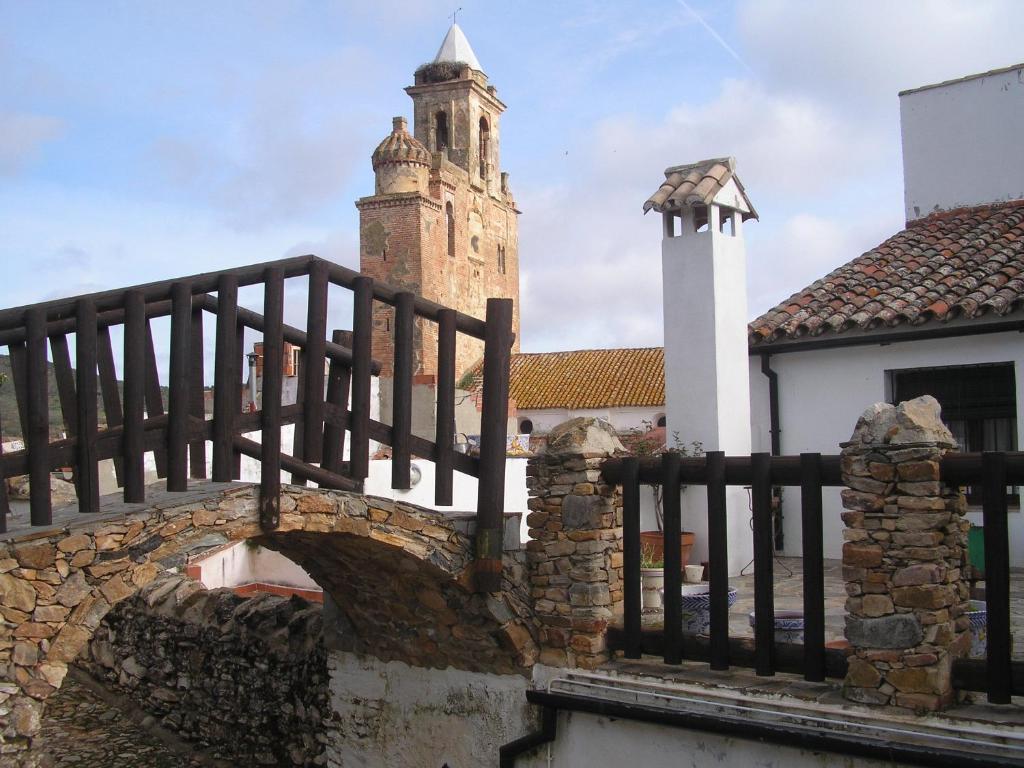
(653, 543)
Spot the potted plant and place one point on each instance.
(645, 442)
(652, 578)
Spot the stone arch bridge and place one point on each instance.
(400, 575)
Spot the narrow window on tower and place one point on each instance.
(501, 259)
(485, 139)
(449, 219)
(441, 131)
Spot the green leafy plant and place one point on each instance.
(648, 560)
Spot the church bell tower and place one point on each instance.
(442, 221)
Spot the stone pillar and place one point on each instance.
(575, 552)
(903, 556)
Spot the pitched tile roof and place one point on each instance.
(588, 378)
(696, 184)
(965, 263)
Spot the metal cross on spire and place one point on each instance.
(454, 14)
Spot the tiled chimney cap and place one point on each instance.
(697, 184)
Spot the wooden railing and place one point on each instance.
(329, 374)
(997, 674)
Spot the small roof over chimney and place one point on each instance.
(701, 184)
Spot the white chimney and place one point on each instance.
(704, 278)
(962, 142)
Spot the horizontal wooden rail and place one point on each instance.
(999, 675)
(70, 324)
(292, 335)
(956, 469)
(169, 419)
(108, 441)
(785, 470)
(789, 657)
(60, 309)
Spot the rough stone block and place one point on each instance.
(35, 556)
(924, 573)
(861, 674)
(923, 596)
(922, 488)
(877, 605)
(862, 502)
(897, 631)
(918, 538)
(922, 521)
(868, 485)
(582, 511)
(862, 555)
(589, 595)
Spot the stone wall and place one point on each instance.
(402, 575)
(245, 677)
(575, 555)
(906, 544)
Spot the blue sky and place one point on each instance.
(144, 140)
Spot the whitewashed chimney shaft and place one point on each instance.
(707, 385)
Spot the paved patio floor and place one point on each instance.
(788, 573)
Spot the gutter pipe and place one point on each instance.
(776, 434)
(773, 403)
(548, 727)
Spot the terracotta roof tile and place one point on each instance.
(588, 378)
(957, 264)
(696, 184)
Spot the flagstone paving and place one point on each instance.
(788, 578)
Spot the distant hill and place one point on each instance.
(10, 425)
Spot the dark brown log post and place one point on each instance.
(490, 515)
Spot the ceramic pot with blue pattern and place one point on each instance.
(789, 626)
(977, 615)
(697, 607)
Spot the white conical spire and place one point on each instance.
(457, 48)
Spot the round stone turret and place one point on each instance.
(401, 162)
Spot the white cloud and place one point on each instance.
(291, 145)
(592, 261)
(22, 137)
(859, 55)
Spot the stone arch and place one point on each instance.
(400, 574)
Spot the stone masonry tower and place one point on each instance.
(442, 220)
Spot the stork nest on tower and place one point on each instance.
(439, 71)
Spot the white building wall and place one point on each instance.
(242, 564)
(391, 715)
(623, 419)
(961, 142)
(823, 392)
(591, 740)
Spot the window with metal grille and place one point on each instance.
(979, 405)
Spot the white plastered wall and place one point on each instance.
(391, 715)
(591, 740)
(623, 419)
(823, 392)
(961, 143)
